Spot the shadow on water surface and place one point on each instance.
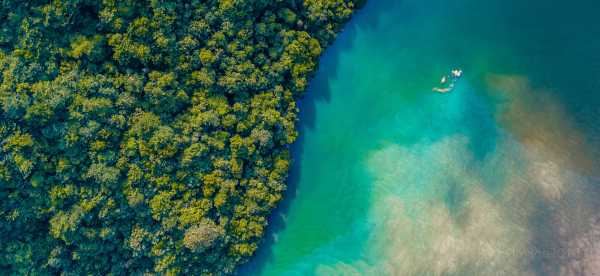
(318, 91)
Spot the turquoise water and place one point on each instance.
(498, 177)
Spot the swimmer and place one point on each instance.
(450, 80)
(441, 90)
(457, 73)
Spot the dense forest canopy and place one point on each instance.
(149, 136)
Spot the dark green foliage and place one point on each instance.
(148, 136)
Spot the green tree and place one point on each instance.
(149, 137)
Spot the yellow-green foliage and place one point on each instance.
(148, 137)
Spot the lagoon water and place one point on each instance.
(499, 177)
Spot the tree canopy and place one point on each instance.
(149, 136)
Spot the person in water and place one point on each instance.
(454, 75)
(457, 73)
(443, 90)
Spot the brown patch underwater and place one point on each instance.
(541, 221)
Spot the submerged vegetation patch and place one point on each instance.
(149, 136)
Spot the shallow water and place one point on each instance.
(498, 177)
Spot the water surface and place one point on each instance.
(498, 177)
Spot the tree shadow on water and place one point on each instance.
(319, 90)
